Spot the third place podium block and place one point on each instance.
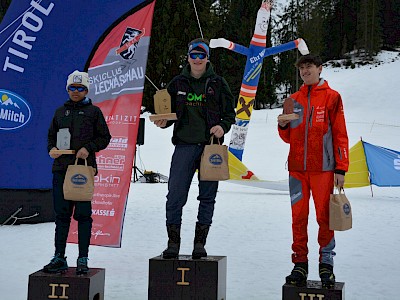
(313, 291)
(187, 278)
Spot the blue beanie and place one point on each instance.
(199, 46)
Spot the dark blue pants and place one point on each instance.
(82, 211)
(185, 161)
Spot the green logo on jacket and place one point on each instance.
(196, 98)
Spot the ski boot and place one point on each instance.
(326, 275)
(82, 266)
(200, 238)
(174, 242)
(58, 264)
(299, 274)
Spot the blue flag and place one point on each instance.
(383, 165)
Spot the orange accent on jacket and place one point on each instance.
(318, 139)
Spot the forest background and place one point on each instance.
(351, 32)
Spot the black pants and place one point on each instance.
(82, 211)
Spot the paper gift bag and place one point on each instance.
(214, 162)
(79, 182)
(340, 214)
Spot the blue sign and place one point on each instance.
(41, 43)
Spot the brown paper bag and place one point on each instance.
(214, 162)
(340, 214)
(79, 182)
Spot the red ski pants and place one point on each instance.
(320, 186)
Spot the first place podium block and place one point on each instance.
(68, 285)
(313, 291)
(186, 278)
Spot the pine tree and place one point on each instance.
(4, 4)
(390, 23)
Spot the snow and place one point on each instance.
(252, 226)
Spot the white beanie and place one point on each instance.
(78, 77)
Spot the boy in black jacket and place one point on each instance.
(204, 106)
(88, 134)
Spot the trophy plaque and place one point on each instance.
(63, 142)
(162, 107)
(288, 117)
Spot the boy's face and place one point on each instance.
(77, 92)
(197, 64)
(310, 73)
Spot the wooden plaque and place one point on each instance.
(171, 116)
(288, 117)
(63, 151)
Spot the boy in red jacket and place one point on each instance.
(318, 159)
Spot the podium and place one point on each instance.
(313, 291)
(68, 285)
(187, 278)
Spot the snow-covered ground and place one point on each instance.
(252, 226)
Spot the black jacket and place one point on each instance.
(199, 105)
(87, 127)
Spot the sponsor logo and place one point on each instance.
(118, 143)
(107, 181)
(120, 119)
(79, 179)
(295, 196)
(15, 111)
(115, 162)
(215, 159)
(195, 97)
(396, 163)
(346, 208)
(104, 212)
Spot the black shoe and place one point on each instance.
(174, 242)
(326, 275)
(81, 266)
(57, 264)
(299, 274)
(200, 238)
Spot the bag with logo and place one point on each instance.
(340, 214)
(214, 162)
(79, 182)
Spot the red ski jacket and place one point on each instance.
(318, 139)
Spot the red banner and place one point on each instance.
(117, 75)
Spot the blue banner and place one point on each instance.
(383, 165)
(41, 43)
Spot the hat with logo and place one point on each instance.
(78, 77)
(199, 46)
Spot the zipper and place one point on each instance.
(307, 124)
(311, 117)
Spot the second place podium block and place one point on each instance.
(43, 286)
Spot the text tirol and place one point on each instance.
(23, 42)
